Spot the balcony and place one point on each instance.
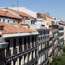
(44, 62)
(51, 35)
(13, 57)
(3, 44)
(60, 46)
(61, 37)
(33, 61)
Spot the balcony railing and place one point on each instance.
(20, 54)
(3, 44)
(33, 61)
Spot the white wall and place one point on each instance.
(64, 33)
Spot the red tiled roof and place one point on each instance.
(24, 14)
(9, 13)
(13, 13)
(10, 29)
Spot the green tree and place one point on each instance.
(64, 49)
(59, 61)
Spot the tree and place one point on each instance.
(64, 49)
(59, 60)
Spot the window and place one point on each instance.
(3, 20)
(0, 35)
(32, 22)
(0, 19)
(8, 21)
(61, 28)
(13, 21)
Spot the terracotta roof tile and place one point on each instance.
(13, 13)
(10, 29)
(24, 14)
(9, 13)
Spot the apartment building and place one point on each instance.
(62, 24)
(18, 45)
(53, 42)
(24, 46)
(34, 41)
(43, 41)
(50, 47)
(43, 46)
(61, 37)
(47, 19)
(16, 15)
(56, 40)
(25, 13)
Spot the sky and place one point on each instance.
(55, 8)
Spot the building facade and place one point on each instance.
(43, 41)
(43, 46)
(61, 38)
(34, 41)
(18, 48)
(56, 41)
